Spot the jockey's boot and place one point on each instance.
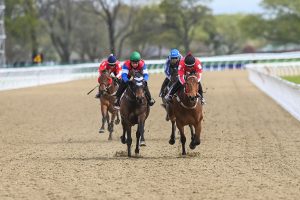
(174, 88)
(151, 101)
(200, 91)
(164, 85)
(98, 95)
(119, 93)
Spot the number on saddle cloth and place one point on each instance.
(139, 81)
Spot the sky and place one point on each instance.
(235, 6)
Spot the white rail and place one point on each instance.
(12, 78)
(266, 77)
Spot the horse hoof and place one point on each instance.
(172, 141)
(136, 152)
(117, 122)
(123, 140)
(101, 131)
(110, 138)
(142, 144)
(192, 146)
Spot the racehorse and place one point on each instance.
(174, 78)
(107, 89)
(186, 109)
(134, 109)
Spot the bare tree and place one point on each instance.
(60, 18)
(118, 27)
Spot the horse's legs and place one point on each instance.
(140, 135)
(137, 147)
(111, 125)
(118, 118)
(192, 146)
(123, 137)
(142, 141)
(172, 138)
(197, 140)
(182, 138)
(107, 118)
(104, 116)
(129, 140)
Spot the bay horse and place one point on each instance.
(186, 109)
(134, 109)
(174, 78)
(107, 89)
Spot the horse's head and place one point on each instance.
(191, 87)
(137, 86)
(105, 81)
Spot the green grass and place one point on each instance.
(294, 79)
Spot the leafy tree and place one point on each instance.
(280, 25)
(21, 21)
(182, 18)
(148, 31)
(228, 36)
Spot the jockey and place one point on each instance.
(189, 64)
(135, 64)
(113, 66)
(172, 63)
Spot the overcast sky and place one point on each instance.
(235, 6)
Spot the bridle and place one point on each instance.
(185, 92)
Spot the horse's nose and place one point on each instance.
(192, 98)
(139, 99)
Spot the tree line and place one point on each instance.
(85, 30)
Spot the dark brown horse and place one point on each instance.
(107, 89)
(186, 109)
(174, 78)
(134, 109)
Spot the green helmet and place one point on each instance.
(135, 56)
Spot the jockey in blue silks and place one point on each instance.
(172, 63)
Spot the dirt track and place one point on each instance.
(50, 147)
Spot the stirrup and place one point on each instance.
(151, 102)
(202, 101)
(168, 98)
(117, 104)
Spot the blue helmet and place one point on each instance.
(112, 59)
(174, 53)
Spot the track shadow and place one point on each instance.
(71, 141)
(123, 156)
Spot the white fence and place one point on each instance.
(12, 78)
(266, 77)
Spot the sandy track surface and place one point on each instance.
(50, 147)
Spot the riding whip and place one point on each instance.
(92, 90)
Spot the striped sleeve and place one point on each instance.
(125, 72)
(145, 72)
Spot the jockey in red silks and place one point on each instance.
(189, 64)
(113, 66)
(134, 64)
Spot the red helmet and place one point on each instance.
(189, 60)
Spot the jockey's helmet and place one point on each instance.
(135, 56)
(189, 60)
(111, 59)
(174, 54)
